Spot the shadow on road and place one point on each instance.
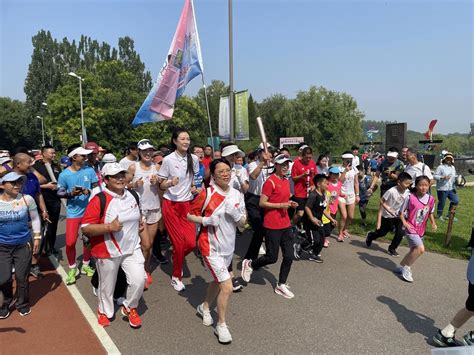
(39, 288)
(377, 261)
(412, 321)
(361, 244)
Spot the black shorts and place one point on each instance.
(301, 203)
(470, 298)
(328, 227)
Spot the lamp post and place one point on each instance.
(83, 128)
(42, 129)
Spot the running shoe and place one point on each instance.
(315, 258)
(368, 239)
(236, 286)
(4, 313)
(393, 253)
(441, 341)
(296, 250)
(36, 272)
(149, 279)
(177, 284)
(283, 290)
(205, 315)
(222, 333)
(102, 319)
(407, 274)
(24, 311)
(133, 317)
(247, 270)
(468, 339)
(88, 270)
(71, 276)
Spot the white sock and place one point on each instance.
(85, 263)
(449, 331)
(72, 266)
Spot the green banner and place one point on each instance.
(242, 116)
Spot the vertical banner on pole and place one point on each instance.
(224, 114)
(242, 116)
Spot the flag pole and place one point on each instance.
(207, 107)
(231, 74)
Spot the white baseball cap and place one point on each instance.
(392, 154)
(109, 158)
(232, 149)
(347, 156)
(12, 176)
(145, 144)
(79, 151)
(5, 160)
(280, 159)
(111, 169)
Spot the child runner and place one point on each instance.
(364, 185)
(75, 183)
(315, 209)
(177, 171)
(390, 205)
(275, 199)
(350, 195)
(219, 209)
(419, 206)
(334, 189)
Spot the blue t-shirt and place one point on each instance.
(68, 179)
(14, 226)
(31, 186)
(199, 176)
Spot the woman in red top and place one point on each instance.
(275, 199)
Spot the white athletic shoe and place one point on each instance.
(283, 290)
(222, 333)
(406, 274)
(177, 284)
(247, 270)
(205, 315)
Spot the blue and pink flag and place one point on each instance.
(183, 63)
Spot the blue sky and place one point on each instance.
(409, 61)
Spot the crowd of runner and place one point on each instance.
(200, 199)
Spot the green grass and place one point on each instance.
(434, 242)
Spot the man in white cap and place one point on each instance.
(75, 184)
(388, 172)
(445, 176)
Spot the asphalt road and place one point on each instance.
(353, 303)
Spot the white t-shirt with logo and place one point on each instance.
(395, 200)
(174, 165)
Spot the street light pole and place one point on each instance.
(231, 73)
(83, 128)
(42, 129)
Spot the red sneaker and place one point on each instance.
(103, 320)
(133, 317)
(149, 280)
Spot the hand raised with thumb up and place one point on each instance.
(116, 226)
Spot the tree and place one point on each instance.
(17, 128)
(329, 121)
(215, 90)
